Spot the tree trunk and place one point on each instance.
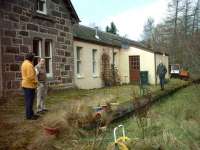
(176, 17)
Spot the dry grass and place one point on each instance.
(173, 123)
(69, 120)
(68, 111)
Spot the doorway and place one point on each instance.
(134, 68)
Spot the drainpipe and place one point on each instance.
(155, 68)
(113, 63)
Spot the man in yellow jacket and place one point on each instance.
(29, 85)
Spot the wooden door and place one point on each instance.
(134, 68)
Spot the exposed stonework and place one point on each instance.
(20, 24)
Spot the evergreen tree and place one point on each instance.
(112, 29)
(148, 32)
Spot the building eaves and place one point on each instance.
(73, 13)
(87, 34)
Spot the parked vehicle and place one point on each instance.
(176, 71)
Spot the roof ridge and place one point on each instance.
(107, 38)
(85, 26)
(104, 32)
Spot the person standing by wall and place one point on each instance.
(29, 84)
(161, 71)
(42, 88)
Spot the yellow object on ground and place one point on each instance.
(121, 142)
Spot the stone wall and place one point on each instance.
(20, 24)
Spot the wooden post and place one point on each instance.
(113, 66)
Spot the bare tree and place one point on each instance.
(179, 34)
(196, 17)
(148, 32)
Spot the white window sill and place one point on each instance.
(41, 12)
(78, 76)
(95, 76)
(49, 75)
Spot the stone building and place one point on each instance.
(40, 26)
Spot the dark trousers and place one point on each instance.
(29, 95)
(162, 82)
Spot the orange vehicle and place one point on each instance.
(177, 72)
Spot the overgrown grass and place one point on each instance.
(13, 125)
(173, 123)
(101, 96)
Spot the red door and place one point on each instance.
(134, 68)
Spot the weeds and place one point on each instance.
(172, 123)
(161, 127)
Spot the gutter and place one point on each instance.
(95, 42)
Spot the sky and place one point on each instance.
(129, 16)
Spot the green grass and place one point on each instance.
(173, 123)
(13, 124)
(101, 96)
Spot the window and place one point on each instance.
(115, 59)
(78, 59)
(48, 57)
(46, 53)
(94, 62)
(41, 6)
(37, 47)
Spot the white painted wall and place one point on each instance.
(146, 63)
(86, 79)
(165, 60)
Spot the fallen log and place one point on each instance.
(136, 105)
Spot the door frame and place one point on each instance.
(131, 81)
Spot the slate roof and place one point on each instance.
(87, 34)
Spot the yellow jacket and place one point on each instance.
(28, 75)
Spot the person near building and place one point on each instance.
(161, 72)
(42, 87)
(29, 85)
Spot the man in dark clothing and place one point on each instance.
(161, 71)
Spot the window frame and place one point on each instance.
(115, 59)
(78, 60)
(44, 12)
(50, 74)
(94, 61)
(39, 48)
(41, 54)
